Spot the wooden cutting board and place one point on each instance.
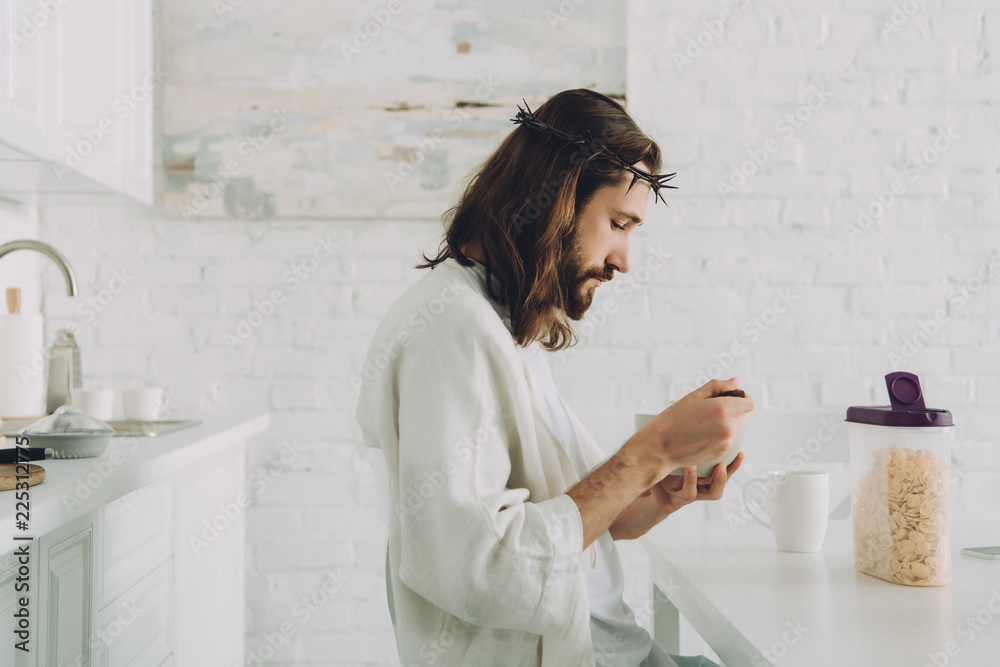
(8, 475)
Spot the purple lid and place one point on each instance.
(907, 407)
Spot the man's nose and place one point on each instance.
(621, 258)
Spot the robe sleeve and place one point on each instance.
(473, 543)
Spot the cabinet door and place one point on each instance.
(136, 536)
(90, 89)
(66, 571)
(135, 629)
(140, 66)
(26, 29)
(208, 553)
(12, 577)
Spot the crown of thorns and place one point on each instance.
(593, 148)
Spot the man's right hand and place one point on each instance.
(697, 428)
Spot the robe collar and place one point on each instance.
(502, 310)
(556, 472)
(593, 455)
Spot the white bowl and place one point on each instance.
(704, 469)
(70, 433)
(72, 445)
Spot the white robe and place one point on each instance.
(485, 547)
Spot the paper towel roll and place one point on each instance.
(22, 366)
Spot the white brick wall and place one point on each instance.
(730, 254)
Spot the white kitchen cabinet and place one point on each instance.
(64, 591)
(136, 628)
(23, 55)
(138, 558)
(78, 82)
(209, 557)
(137, 534)
(140, 70)
(88, 74)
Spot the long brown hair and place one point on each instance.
(522, 203)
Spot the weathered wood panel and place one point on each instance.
(278, 108)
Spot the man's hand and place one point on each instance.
(669, 495)
(698, 428)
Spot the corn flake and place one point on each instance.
(900, 518)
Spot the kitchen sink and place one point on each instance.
(122, 427)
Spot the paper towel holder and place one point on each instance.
(48, 251)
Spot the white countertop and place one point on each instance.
(745, 597)
(73, 487)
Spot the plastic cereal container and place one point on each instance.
(901, 468)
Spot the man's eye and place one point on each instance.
(617, 226)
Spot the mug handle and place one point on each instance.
(746, 489)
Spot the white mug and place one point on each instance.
(143, 403)
(799, 507)
(99, 403)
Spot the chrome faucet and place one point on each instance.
(48, 251)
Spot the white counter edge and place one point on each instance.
(74, 487)
(732, 647)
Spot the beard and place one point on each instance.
(573, 277)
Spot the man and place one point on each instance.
(501, 543)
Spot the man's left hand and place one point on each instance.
(669, 495)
